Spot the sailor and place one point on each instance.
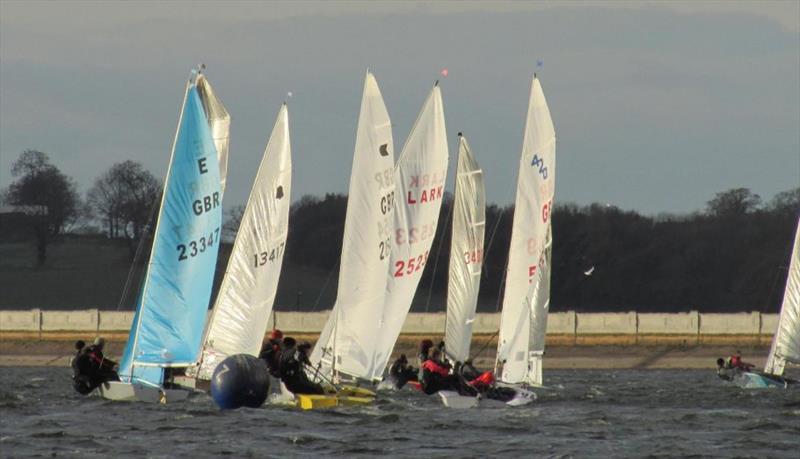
(436, 374)
(735, 361)
(103, 368)
(401, 372)
(293, 359)
(271, 352)
(424, 348)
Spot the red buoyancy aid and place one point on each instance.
(434, 367)
(736, 361)
(486, 379)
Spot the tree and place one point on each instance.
(734, 202)
(48, 196)
(125, 197)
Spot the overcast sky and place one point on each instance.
(656, 105)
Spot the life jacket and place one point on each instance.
(736, 361)
(485, 380)
(435, 367)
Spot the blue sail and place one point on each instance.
(171, 312)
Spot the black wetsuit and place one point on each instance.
(292, 374)
(90, 369)
(271, 353)
(435, 380)
(401, 373)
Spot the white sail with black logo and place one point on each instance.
(348, 341)
(244, 303)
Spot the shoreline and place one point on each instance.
(586, 355)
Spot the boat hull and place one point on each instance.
(128, 392)
(346, 396)
(452, 399)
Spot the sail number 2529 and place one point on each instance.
(412, 265)
(198, 246)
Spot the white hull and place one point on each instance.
(452, 399)
(279, 394)
(127, 392)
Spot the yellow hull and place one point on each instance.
(346, 396)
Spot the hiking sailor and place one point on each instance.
(271, 352)
(90, 367)
(293, 359)
(401, 372)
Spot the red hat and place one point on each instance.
(275, 334)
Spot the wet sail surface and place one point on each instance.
(586, 413)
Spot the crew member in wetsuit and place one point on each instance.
(90, 367)
(436, 374)
(271, 352)
(401, 372)
(293, 359)
(735, 361)
(422, 355)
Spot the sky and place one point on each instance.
(657, 105)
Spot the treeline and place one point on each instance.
(731, 256)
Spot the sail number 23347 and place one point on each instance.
(198, 246)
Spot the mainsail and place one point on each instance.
(219, 121)
(348, 341)
(420, 176)
(243, 306)
(527, 292)
(786, 342)
(466, 253)
(171, 311)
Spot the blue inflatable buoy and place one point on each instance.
(240, 380)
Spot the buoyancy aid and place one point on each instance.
(435, 367)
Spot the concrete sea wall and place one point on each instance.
(562, 327)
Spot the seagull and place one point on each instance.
(589, 271)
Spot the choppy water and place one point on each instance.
(583, 414)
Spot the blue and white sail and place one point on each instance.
(170, 316)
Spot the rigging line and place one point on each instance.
(491, 240)
(325, 285)
(439, 252)
(485, 345)
(138, 253)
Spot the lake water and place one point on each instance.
(584, 413)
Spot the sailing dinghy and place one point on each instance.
(171, 311)
(786, 341)
(243, 306)
(526, 298)
(346, 346)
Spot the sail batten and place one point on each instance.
(244, 303)
(466, 253)
(786, 341)
(171, 310)
(527, 292)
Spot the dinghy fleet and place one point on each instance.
(176, 347)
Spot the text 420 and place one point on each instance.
(410, 266)
(261, 258)
(198, 246)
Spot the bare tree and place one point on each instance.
(48, 196)
(125, 197)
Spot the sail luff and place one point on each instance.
(244, 303)
(126, 363)
(355, 319)
(527, 292)
(466, 254)
(786, 341)
(420, 176)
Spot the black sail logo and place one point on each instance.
(384, 149)
(279, 192)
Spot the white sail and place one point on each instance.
(351, 332)
(527, 291)
(420, 176)
(466, 254)
(240, 315)
(219, 120)
(786, 342)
